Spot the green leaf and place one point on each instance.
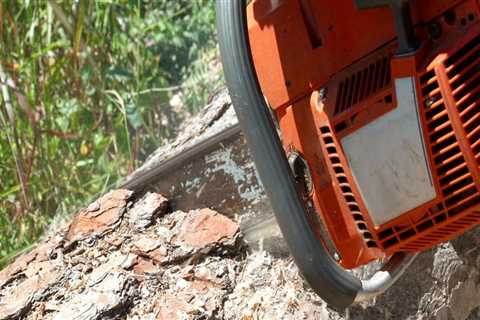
(134, 118)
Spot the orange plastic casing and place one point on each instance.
(327, 69)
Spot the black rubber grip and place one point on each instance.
(334, 284)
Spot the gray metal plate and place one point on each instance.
(388, 159)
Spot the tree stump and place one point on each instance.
(133, 254)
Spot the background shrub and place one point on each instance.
(88, 89)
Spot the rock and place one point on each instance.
(193, 300)
(115, 262)
(146, 244)
(39, 254)
(150, 248)
(145, 266)
(206, 227)
(147, 209)
(20, 299)
(109, 295)
(98, 219)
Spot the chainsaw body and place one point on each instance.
(380, 100)
(391, 140)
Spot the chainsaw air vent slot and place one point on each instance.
(362, 226)
(390, 242)
(457, 174)
(426, 77)
(449, 156)
(439, 121)
(429, 88)
(433, 111)
(425, 225)
(443, 145)
(464, 51)
(407, 234)
(358, 217)
(330, 148)
(439, 133)
(451, 164)
(371, 244)
(388, 99)
(440, 218)
(362, 84)
(464, 71)
(457, 186)
(341, 126)
(467, 87)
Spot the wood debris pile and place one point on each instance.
(133, 258)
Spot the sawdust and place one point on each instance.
(128, 257)
(195, 265)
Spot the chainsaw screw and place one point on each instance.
(336, 256)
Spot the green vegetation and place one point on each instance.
(85, 95)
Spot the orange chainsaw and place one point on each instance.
(363, 119)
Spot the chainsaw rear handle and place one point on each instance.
(334, 284)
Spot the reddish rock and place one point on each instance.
(27, 292)
(145, 243)
(151, 248)
(159, 255)
(173, 307)
(145, 266)
(20, 264)
(99, 217)
(192, 300)
(206, 227)
(98, 301)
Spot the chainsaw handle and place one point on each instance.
(334, 284)
(385, 277)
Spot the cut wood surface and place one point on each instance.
(191, 235)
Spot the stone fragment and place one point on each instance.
(115, 262)
(98, 301)
(147, 209)
(21, 298)
(152, 248)
(206, 227)
(146, 244)
(145, 266)
(99, 218)
(20, 264)
(13, 269)
(173, 307)
(190, 300)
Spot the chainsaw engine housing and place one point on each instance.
(391, 139)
